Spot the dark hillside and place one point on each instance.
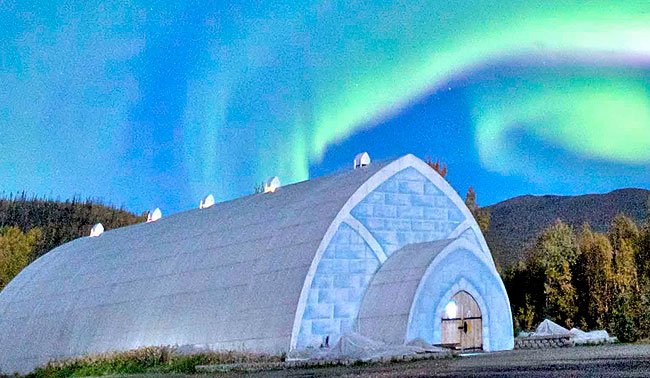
(515, 223)
(60, 222)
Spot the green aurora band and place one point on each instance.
(609, 120)
(164, 102)
(595, 118)
(362, 63)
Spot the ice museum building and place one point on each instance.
(387, 250)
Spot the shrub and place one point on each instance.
(162, 359)
(623, 322)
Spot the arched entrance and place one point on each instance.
(462, 323)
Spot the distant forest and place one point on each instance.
(32, 226)
(582, 278)
(60, 222)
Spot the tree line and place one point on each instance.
(32, 226)
(585, 279)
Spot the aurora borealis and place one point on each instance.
(151, 104)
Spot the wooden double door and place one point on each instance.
(464, 328)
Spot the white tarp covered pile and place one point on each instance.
(592, 337)
(578, 336)
(358, 347)
(547, 328)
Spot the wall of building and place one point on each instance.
(406, 208)
(343, 274)
(455, 271)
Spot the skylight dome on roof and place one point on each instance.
(154, 215)
(361, 160)
(207, 202)
(271, 184)
(97, 230)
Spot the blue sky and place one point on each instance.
(147, 104)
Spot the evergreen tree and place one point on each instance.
(481, 215)
(519, 285)
(470, 200)
(60, 222)
(259, 188)
(441, 168)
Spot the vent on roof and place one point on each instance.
(207, 202)
(361, 160)
(97, 230)
(271, 184)
(154, 215)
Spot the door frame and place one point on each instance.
(461, 323)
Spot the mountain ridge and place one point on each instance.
(515, 223)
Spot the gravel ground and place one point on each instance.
(596, 361)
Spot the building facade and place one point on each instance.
(387, 250)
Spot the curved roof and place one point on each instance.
(233, 276)
(231, 273)
(398, 278)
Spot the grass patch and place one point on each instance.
(144, 360)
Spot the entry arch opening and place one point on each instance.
(462, 323)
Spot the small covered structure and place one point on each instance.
(97, 230)
(361, 160)
(381, 251)
(154, 215)
(207, 202)
(271, 184)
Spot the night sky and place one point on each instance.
(153, 104)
